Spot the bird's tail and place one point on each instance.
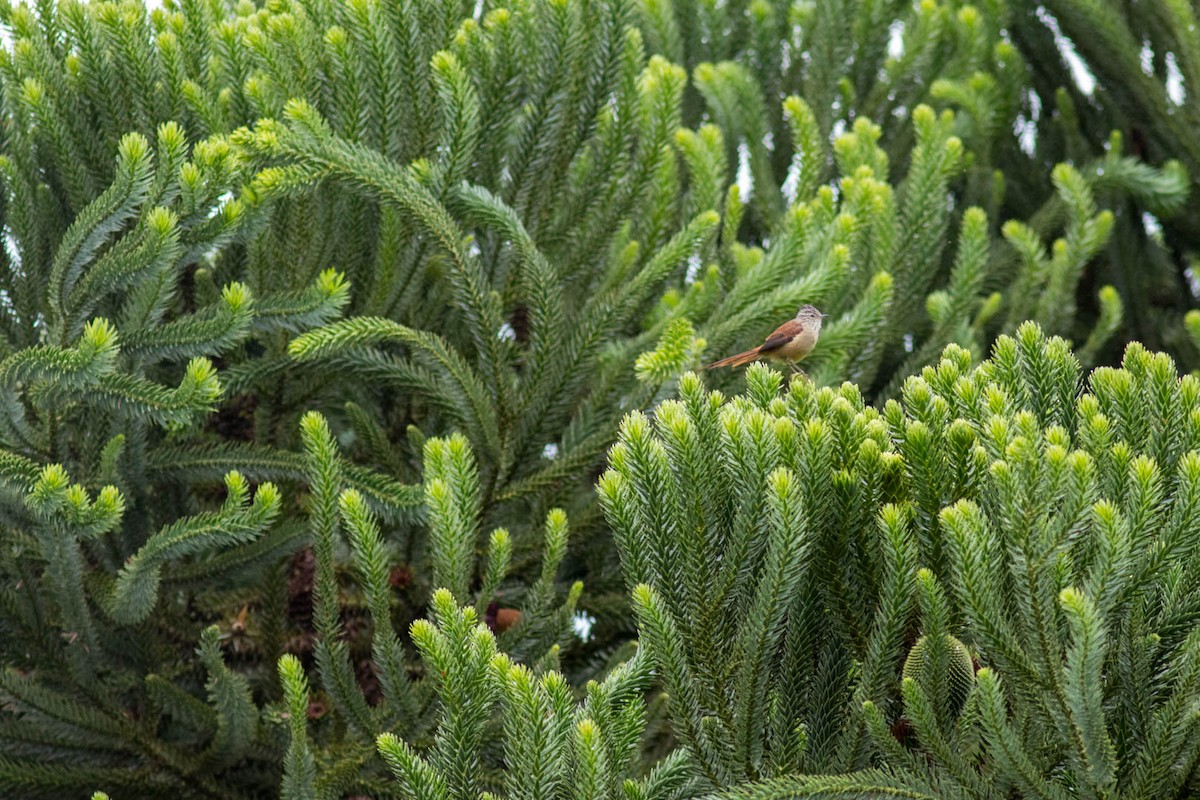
(738, 360)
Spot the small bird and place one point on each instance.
(791, 341)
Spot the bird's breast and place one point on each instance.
(800, 345)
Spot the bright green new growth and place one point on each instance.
(240, 520)
(313, 308)
(787, 548)
(554, 747)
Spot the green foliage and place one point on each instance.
(113, 563)
(312, 309)
(548, 736)
(463, 673)
(554, 747)
(1135, 79)
(815, 578)
(238, 521)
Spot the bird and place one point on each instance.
(790, 342)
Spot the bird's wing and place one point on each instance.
(781, 336)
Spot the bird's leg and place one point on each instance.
(795, 369)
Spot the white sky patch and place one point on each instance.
(694, 265)
(791, 184)
(506, 332)
(1151, 224)
(1084, 79)
(1026, 133)
(1176, 91)
(1035, 105)
(13, 249)
(1025, 127)
(745, 181)
(908, 342)
(1146, 57)
(1193, 281)
(895, 45)
(222, 201)
(582, 624)
(550, 451)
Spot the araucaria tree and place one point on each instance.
(984, 590)
(322, 323)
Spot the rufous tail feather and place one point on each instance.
(738, 360)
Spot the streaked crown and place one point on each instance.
(809, 312)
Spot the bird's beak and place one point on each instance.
(823, 316)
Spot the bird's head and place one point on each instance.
(810, 316)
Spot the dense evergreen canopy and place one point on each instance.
(353, 441)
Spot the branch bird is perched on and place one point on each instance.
(791, 341)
